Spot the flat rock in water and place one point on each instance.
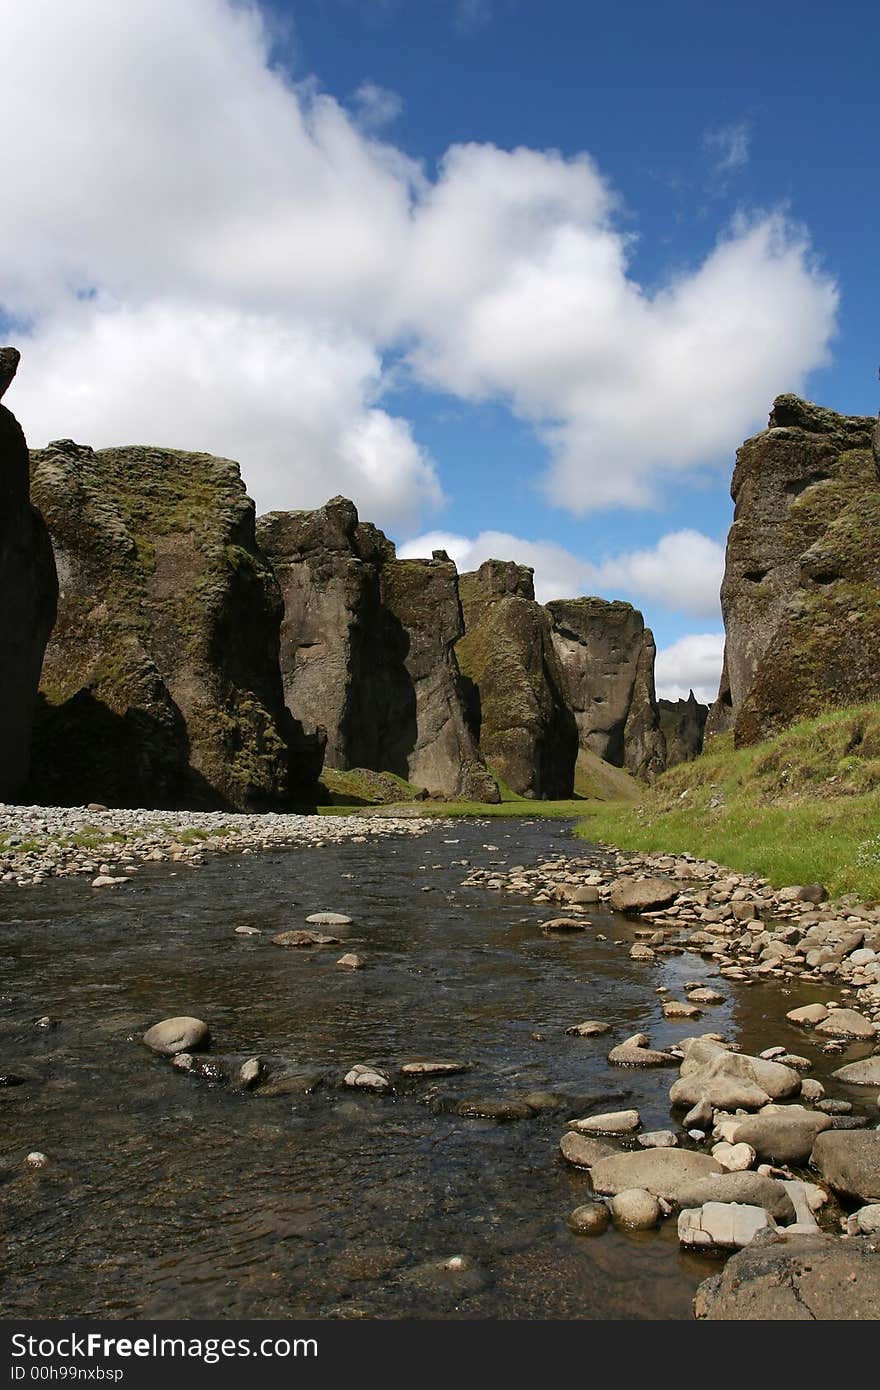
(704, 994)
(658, 1139)
(786, 1137)
(729, 1080)
(800, 1279)
(583, 1151)
(564, 924)
(351, 961)
(591, 1029)
(849, 1160)
(636, 1052)
(677, 1008)
(611, 1122)
(498, 1110)
(846, 1023)
(721, 1225)
(329, 919)
(304, 939)
(173, 1035)
(108, 881)
(665, 1172)
(642, 894)
(430, 1066)
(810, 1014)
(863, 1073)
(301, 1083)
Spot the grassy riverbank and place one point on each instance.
(803, 807)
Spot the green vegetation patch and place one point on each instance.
(799, 808)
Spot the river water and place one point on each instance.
(171, 1197)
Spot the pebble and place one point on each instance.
(591, 1219)
(36, 1160)
(636, 1209)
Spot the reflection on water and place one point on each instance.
(168, 1197)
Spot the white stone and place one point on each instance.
(722, 1225)
(610, 1122)
(734, 1158)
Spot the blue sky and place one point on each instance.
(517, 277)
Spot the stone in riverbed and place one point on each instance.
(803, 1278)
(429, 1066)
(564, 924)
(677, 1008)
(304, 939)
(329, 919)
(749, 1188)
(721, 1225)
(591, 1029)
(863, 1073)
(108, 881)
(498, 1110)
(850, 1162)
(865, 1221)
(635, 1052)
(810, 1014)
(785, 1137)
(642, 894)
(658, 1139)
(591, 1219)
(665, 1172)
(636, 1209)
(846, 1023)
(250, 1074)
(704, 994)
(173, 1035)
(367, 1078)
(582, 1151)
(611, 1122)
(729, 1080)
(734, 1158)
(351, 961)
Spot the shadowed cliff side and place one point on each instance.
(29, 589)
(801, 590)
(527, 731)
(367, 650)
(161, 684)
(607, 658)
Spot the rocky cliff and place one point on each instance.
(607, 659)
(161, 684)
(367, 650)
(527, 731)
(29, 588)
(801, 590)
(683, 723)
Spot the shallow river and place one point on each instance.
(170, 1197)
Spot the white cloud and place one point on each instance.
(376, 106)
(692, 663)
(289, 401)
(728, 146)
(682, 571)
(265, 250)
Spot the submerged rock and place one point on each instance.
(180, 1034)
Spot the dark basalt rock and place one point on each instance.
(527, 731)
(161, 684)
(367, 650)
(29, 587)
(683, 723)
(802, 576)
(606, 655)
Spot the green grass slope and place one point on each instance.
(802, 807)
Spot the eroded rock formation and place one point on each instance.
(606, 655)
(527, 731)
(161, 684)
(683, 723)
(367, 650)
(29, 591)
(801, 591)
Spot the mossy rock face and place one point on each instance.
(606, 655)
(527, 731)
(367, 651)
(29, 588)
(161, 685)
(801, 591)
